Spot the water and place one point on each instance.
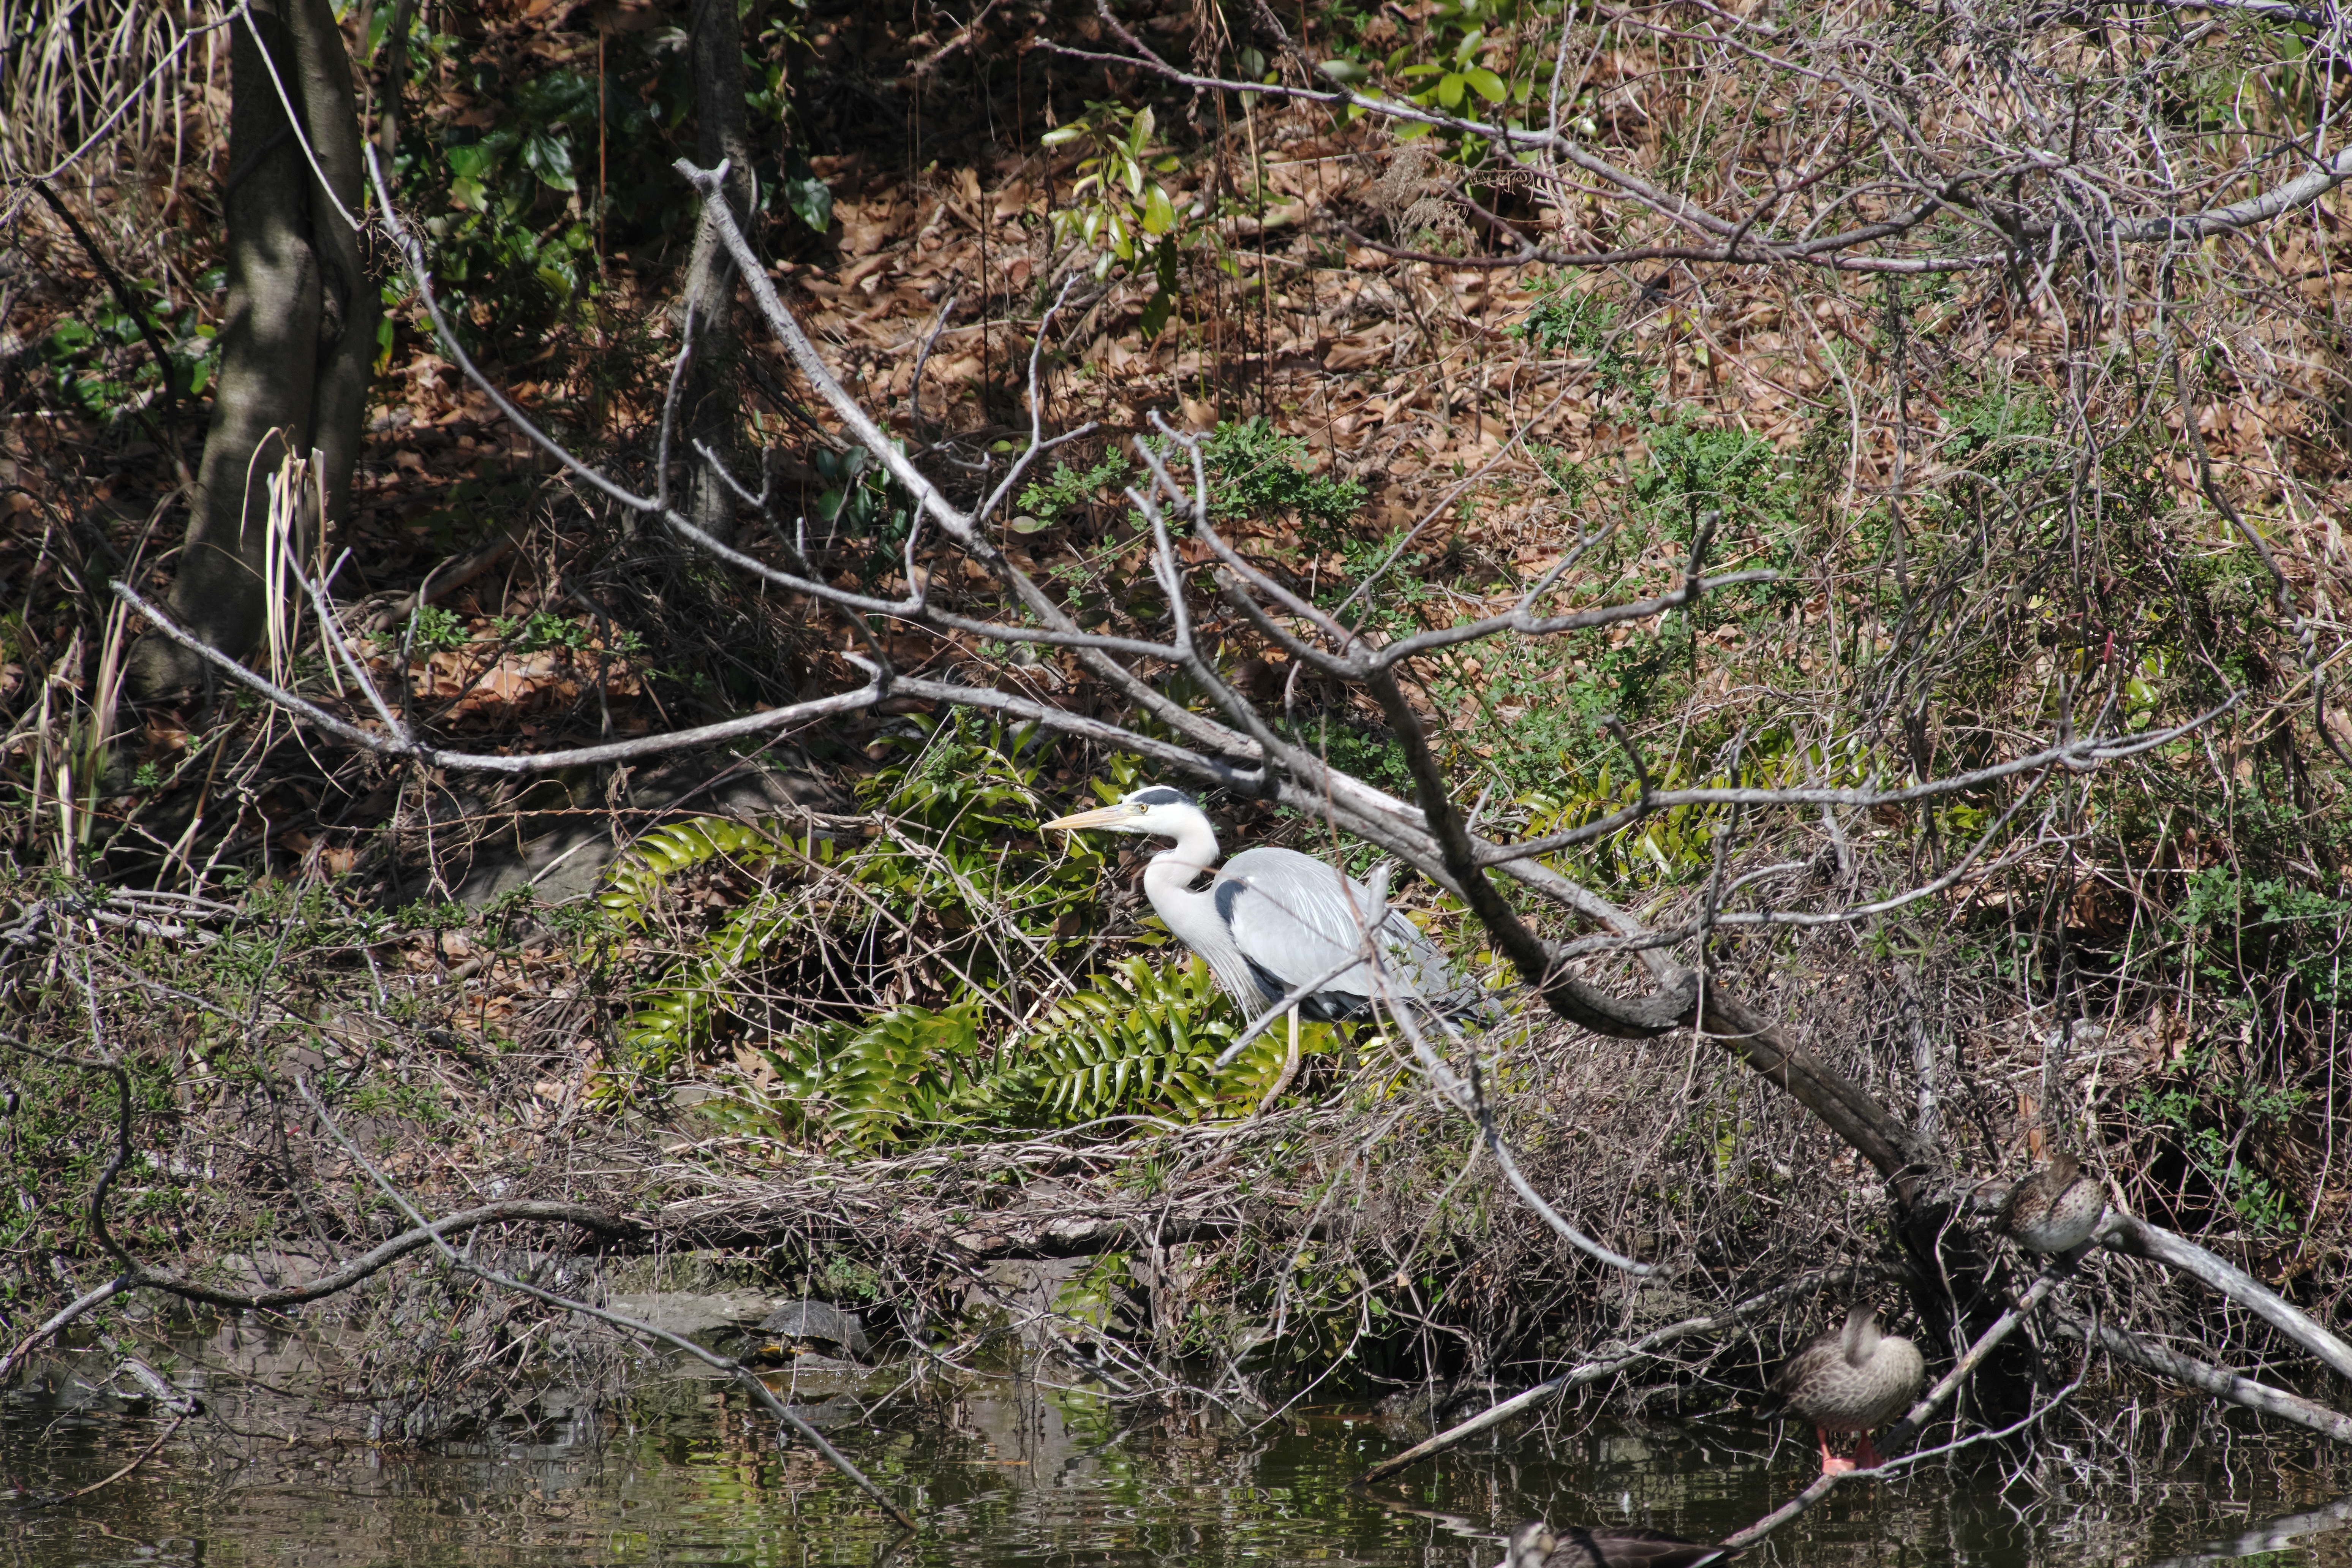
(1003, 1473)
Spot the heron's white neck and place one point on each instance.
(1191, 917)
(1167, 880)
(1195, 847)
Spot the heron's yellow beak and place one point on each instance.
(1101, 817)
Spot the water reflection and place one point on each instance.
(1006, 1474)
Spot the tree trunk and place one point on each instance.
(711, 402)
(300, 339)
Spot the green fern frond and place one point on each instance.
(1140, 1040)
(910, 1066)
(677, 848)
(669, 1022)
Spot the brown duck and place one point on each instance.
(1535, 1545)
(1852, 1379)
(2055, 1209)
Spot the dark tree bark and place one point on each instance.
(712, 405)
(300, 339)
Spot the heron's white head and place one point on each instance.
(1157, 812)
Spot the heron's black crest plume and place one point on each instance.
(1161, 795)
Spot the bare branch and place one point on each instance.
(522, 763)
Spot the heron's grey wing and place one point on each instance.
(1416, 961)
(1289, 915)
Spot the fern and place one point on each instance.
(669, 1022)
(677, 848)
(1144, 1041)
(911, 1066)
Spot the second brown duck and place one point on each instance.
(2055, 1209)
(1853, 1379)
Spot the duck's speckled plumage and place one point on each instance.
(1535, 1545)
(2055, 1209)
(1851, 1379)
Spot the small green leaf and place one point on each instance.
(811, 200)
(1347, 73)
(1159, 213)
(550, 157)
(1449, 91)
(1062, 134)
(1488, 86)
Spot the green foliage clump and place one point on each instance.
(859, 504)
(1258, 469)
(2238, 927)
(1140, 1040)
(82, 354)
(909, 1071)
(1137, 1040)
(512, 248)
(541, 630)
(436, 630)
(2211, 1115)
(1051, 500)
(1564, 321)
(1695, 467)
(2002, 432)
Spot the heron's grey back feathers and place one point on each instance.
(1294, 923)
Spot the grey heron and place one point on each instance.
(1275, 921)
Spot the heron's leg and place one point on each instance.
(1289, 1070)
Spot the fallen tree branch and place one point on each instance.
(2207, 1378)
(2136, 1239)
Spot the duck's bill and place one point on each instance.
(1102, 817)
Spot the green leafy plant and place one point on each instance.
(83, 354)
(1694, 466)
(1565, 321)
(438, 631)
(1117, 202)
(1458, 76)
(1261, 470)
(1050, 500)
(858, 504)
(1135, 1040)
(2191, 1106)
(1140, 1040)
(909, 1070)
(954, 799)
(542, 629)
